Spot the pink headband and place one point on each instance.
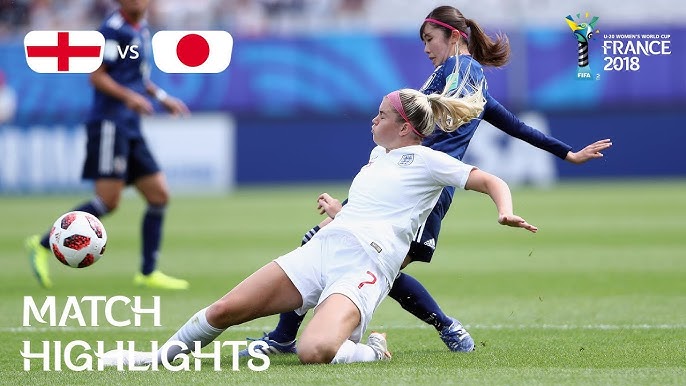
(394, 98)
(446, 25)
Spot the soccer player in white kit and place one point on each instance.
(347, 268)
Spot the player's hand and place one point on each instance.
(175, 106)
(517, 222)
(329, 205)
(138, 103)
(589, 152)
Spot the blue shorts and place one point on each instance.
(423, 246)
(113, 152)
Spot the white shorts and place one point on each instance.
(336, 263)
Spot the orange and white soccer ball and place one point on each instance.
(78, 239)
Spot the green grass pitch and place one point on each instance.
(598, 296)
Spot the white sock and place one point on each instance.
(196, 329)
(354, 352)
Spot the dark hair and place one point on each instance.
(482, 48)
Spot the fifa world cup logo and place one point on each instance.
(582, 32)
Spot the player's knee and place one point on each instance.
(226, 312)
(215, 315)
(111, 203)
(163, 197)
(154, 189)
(316, 351)
(160, 198)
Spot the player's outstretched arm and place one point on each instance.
(590, 152)
(499, 192)
(506, 121)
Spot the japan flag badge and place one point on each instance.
(192, 51)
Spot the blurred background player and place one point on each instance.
(117, 154)
(458, 48)
(8, 100)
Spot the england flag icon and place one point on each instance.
(64, 51)
(192, 51)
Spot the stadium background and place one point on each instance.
(305, 80)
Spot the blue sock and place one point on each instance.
(152, 237)
(95, 207)
(415, 299)
(287, 329)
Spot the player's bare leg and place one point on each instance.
(326, 337)
(268, 291)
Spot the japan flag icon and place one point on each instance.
(64, 51)
(197, 52)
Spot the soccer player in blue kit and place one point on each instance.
(117, 154)
(456, 46)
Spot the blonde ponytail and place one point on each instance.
(425, 112)
(450, 113)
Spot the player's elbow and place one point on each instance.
(495, 183)
(487, 183)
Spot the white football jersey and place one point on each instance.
(392, 196)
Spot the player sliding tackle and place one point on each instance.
(458, 48)
(345, 271)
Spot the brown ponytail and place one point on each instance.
(486, 51)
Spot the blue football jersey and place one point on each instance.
(455, 143)
(126, 58)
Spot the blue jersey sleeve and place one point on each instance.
(125, 62)
(111, 54)
(503, 119)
